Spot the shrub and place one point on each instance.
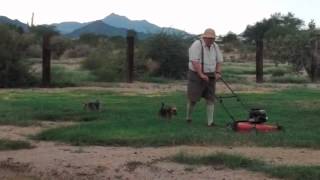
(106, 63)
(61, 76)
(170, 52)
(81, 50)
(278, 72)
(13, 70)
(34, 51)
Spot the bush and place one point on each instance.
(34, 51)
(106, 63)
(58, 45)
(13, 70)
(278, 72)
(170, 52)
(78, 51)
(61, 76)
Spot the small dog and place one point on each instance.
(167, 111)
(92, 105)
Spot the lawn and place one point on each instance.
(132, 120)
(293, 172)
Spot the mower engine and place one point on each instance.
(257, 116)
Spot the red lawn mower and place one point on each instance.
(257, 117)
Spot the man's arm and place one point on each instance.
(218, 71)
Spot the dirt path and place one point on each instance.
(49, 160)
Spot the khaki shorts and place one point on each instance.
(198, 88)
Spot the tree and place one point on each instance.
(106, 62)
(13, 70)
(170, 52)
(42, 30)
(230, 38)
(230, 42)
(312, 25)
(276, 26)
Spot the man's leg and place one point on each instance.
(190, 107)
(210, 111)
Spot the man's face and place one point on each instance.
(208, 41)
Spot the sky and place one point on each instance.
(191, 16)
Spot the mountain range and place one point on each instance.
(5, 20)
(111, 25)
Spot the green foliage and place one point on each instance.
(42, 30)
(61, 76)
(13, 70)
(59, 45)
(91, 39)
(278, 72)
(291, 48)
(285, 41)
(79, 50)
(277, 25)
(312, 25)
(170, 52)
(230, 37)
(106, 62)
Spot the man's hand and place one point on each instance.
(204, 77)
(218, 75)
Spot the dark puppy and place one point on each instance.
(167, 111)
(92, 105)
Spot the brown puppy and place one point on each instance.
(167, 111)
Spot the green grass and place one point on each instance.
(152, 79)
(62, 77)
(283, 73)
(133, 120)
(30, 107)
(14, 145)
(290, 78)
(239, 162)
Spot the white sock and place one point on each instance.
(190, 107)
(210, 111)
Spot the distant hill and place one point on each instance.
(111, 25)
(142, 27)
(6, 20)
(68, 27)
(137, 25)
(101, 28)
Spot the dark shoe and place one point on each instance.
(189, 121)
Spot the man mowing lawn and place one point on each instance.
(205, 59)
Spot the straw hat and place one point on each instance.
(209, 33)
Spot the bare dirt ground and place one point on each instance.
(51, 160)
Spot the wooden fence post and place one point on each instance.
(46, 57)
(130, 55)
(315, 59)
(259, 61)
